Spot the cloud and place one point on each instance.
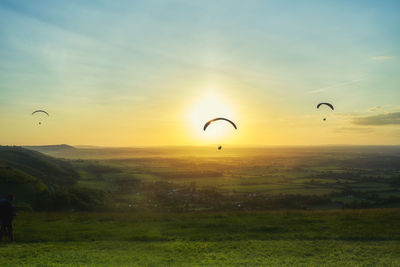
(353, 129)
(376, 108)
(333, 86)
(381, 58)
(382, 119)
(315, 91)
(347, 114)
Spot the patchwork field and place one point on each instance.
(345, 177)
(325, 206)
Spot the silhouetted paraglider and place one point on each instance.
(40, 111)
(217, 119)
(327, 104)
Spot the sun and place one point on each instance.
(208, 107)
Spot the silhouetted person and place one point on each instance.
(7, 214)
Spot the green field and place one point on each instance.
(186, 179)
(203, 253)
(330, 238)
(322, 206)
(331, 177)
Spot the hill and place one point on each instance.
(40, 181)
(52, 150)
(49, 170)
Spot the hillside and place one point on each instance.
(49, 170)
(39, 181)
(57, 151)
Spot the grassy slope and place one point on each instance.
(334, 238)
(40, 166)
(28, 174)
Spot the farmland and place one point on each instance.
(330, 206)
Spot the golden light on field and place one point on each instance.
(206, 108)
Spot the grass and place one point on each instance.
(203, 253)
(297, 238)
(369, 225)
(330, 238)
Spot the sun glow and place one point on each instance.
(206, 108)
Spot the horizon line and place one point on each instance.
(211, 145)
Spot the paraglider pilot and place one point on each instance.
(7, 214)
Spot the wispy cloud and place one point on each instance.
(375, 108)
(353, 129)
(381, 119)
(381, 58)
(322, 89)
(347, 114)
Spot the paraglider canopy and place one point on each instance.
(216, 119)
(328, 104)
(42, 111)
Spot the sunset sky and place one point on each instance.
(140, 73)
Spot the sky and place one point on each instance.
(150, 73)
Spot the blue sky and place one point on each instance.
(96, 63)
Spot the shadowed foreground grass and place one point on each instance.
(353, 225)
(191, 253)
(332, 238)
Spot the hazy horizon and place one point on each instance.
(201, 145)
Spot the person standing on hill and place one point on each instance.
(7, 214)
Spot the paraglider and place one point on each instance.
(40, 111)
(216, 119)
(327, 104)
